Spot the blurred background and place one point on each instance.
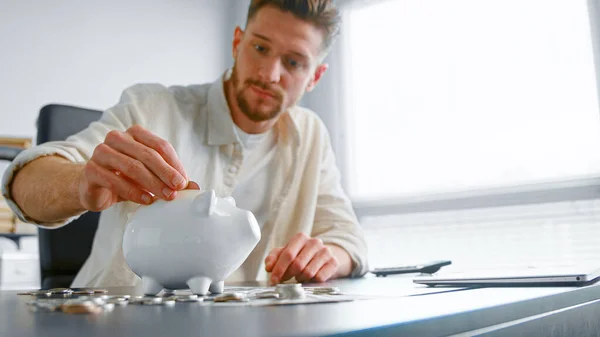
(465, 130)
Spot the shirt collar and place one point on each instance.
(220, 129)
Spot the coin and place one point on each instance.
(97, 291)
(118, 301)
(36, 293)
(290, 291)
(267, 294)
(187, 298)
(162, 301)
(136, 300)
(115, 297)
(57, 291)
(108, 307)
(153, 300)
(324, 290)
(168, 303)
(80, 308)
(231, 297)
(146, 300)
(288, 285)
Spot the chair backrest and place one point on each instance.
(9, 153)
(64, 250)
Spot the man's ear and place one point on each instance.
(318, 75)
(238, 34)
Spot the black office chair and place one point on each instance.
(8, 153)
(63, 251)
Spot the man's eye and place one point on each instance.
(260, 48)
(293, 63)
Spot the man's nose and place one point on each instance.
(270, 70)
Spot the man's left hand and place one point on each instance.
(308, 260)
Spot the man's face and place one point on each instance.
(276, 61)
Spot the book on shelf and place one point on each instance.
(7, 216)
(24, 227)
(9, 223)
(19, 142)
(7, 226)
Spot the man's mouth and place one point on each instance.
(262, 93)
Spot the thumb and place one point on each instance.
(192, 185)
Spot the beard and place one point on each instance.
(256, 113)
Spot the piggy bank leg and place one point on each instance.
(216, 287)
(199, 285)
(150, 286)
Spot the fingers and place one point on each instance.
(327, 271)
(134, 170)
(192, 185)
(135, 165)
(272, 258)
(311, 247)
(100, 176)
(164, 149)
(305, 258)
(126, 144)
(286, 257)
(322, 266)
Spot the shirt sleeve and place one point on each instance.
(79, 147)
(335, 221)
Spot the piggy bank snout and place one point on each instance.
(252, 226)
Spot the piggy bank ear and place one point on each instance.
(230, 200)
(206, 202)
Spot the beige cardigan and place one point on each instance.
(307, 194)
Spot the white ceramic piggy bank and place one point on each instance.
(194, 241)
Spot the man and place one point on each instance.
(242, 135)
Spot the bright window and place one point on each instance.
(467, 94)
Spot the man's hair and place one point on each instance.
(321, 13)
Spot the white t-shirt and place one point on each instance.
(253, 189)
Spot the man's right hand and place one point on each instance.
(131, 166)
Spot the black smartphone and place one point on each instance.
(424, 268)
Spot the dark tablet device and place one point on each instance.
(425, 268)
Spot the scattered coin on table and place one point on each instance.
(94, 301)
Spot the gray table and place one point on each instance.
(395, 307)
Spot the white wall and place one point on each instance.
(86, 52)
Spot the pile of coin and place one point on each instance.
(64, 292)
(186, 298)
(71, 306)
(93, 301)
(323, 290)
(290, 291)
(81, 301)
